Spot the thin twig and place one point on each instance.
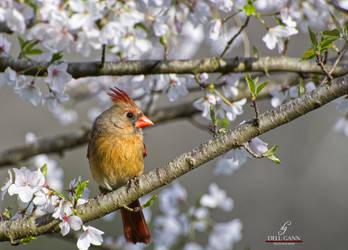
(234, 37)
(338, 59)
(257, 114)
(322, 66)
(103, 56)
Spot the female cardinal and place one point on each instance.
(116, 154)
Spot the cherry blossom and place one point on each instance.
(74, 222)
(342, 104)
(176, 87)
(26, 184)
(216, 199)
(215, 29)
(233, 110)
(91, 235)
(58, 76)
(10, 77)
(204, 104)
(225, 235)
(341, 125)
(231, 161)
(192, 246)
(258, 146)
(29, 91)
(170, 198)
(5, 187)
(5, 45)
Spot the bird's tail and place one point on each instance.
(134, 225)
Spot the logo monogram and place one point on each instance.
(284, 228)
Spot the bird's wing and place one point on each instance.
(144, 151)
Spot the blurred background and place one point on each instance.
(309, 188)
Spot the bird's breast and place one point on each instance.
(114, 159)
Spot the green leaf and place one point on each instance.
(334, 33)
(31, 45)
(224, 123)
(212, 114)
(336, 23)
(80, 189)
(27, 239)
(309, 54)
(163, 40)
(251, 84)
(274, 158)
(34, 52)
(56, 57)
(22, 42)
(260, 87)
(43, 170)
(313, 38)
(7, 214)
(149, 202)
(327, 42)
(270, 151)
(249, 9)
(141, 26)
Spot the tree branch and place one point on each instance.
(184, 163)
(147, 67)
(60, 143)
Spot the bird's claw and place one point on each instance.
(131, 181)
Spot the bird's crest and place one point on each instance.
(118, 95)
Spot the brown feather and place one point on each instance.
(119, 95)
(134, 224)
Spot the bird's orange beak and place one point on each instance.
(143, 121)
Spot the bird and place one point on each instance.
(116, 156)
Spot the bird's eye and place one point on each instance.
(130, 115)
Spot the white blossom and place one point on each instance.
(215, 29)
(168, 228)
(65, 208)
(58, 76)
(91, 235)
(232, 111)
(342, 104)
(225, 235)
(10, 77)
(29, 91)
(231, 161)
(5, 187)
(26, 184)
(216, 198)
(341, 125)
(200, 218)
(224, 5)
(204, 104)
(258, 146)
(171, 197)
(15, 20)
(74, 222)
(192, 246)
(278, 96)
(176, 87)
(5, 45)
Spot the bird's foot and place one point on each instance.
(131, 181)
